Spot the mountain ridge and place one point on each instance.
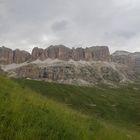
(58, 63)
(96, 53)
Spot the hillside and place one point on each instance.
(39, 110)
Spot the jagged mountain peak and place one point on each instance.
(62, 64)
(95, 53)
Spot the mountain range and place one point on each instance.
(84, 66)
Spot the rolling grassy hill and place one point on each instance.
(37, 110)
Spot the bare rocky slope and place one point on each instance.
(74, 66)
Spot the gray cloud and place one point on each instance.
(59, 25)
(25, 24)
(127, 34)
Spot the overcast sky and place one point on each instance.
(74, 23)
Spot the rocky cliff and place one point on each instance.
(77, 65)
(132, 60)
(20, 56)
(9, 56)
(6, 55)
(98, 53)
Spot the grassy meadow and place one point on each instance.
(37, 110)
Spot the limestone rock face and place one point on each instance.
(64, 53)
(59, 63)
(121, 57)
(97, 53)
(6, 55)
(52, 52)
(135, 61)
(132, 60)
(59, 51)
(78, 54)
(39, 53)
(20, 56)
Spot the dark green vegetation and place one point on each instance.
(35, 110)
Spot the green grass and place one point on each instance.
(35, 110)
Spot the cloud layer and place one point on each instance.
(74, 23)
